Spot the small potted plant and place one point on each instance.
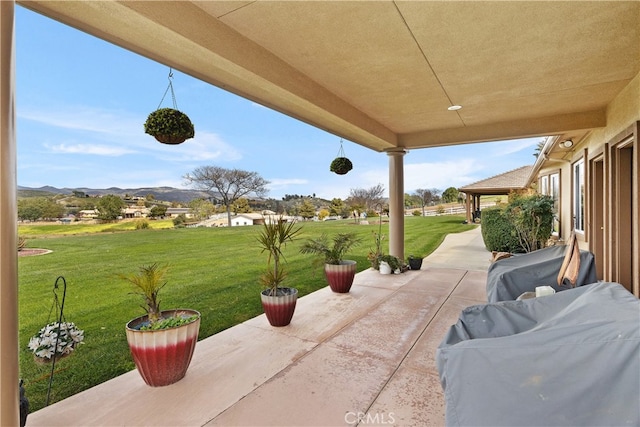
(341, 165)
(339, 272)
(161, 342)
(278, 302)
(415, 263)
(390, 264)
(55, 341)
(169, 126)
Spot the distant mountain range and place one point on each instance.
(168, 194)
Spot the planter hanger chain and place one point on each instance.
(341, 150)
(59, 307)
(169, 87)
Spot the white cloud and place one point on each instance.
(204, 146)
(279, 182)
(92, 149)
(506, 148)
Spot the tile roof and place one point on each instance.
(512, 180)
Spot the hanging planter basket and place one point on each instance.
(169, 125)
(341, 165)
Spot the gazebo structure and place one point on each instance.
(497, 185)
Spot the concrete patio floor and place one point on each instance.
(366, 357)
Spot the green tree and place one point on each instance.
(241, 206)
(306, 209)
(35, 208)
(158, 211)
(538, 149)
(450, 195)
(323, 214)
(338, 208)
(29, 210)
(201, 209)
(110, 207)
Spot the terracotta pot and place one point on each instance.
(163, 356)
(279, 308)
(340, 276)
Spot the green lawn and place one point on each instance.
(212, 270)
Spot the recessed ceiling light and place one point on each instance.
(454, 107)
(567, 144)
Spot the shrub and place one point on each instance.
(179, 220)
(524, 225)
(532, 218)
(416, 212)
(141, 224)
(498, 232)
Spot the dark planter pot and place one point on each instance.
(340, 276)
(415, 263)
(279, 308)
(163, 356)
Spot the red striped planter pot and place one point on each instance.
(340, 276)
(163, 356)
(279, 308)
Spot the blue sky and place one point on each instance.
(82, 103)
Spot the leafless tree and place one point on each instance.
(366, 198)
(227, 184)
(426, 196)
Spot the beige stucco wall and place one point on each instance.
(622, 115)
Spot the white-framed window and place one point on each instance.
(544, 185)
(578, 195)
(554, 192)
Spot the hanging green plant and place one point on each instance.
(341, 165)
(169, 125)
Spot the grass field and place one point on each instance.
(212, 270)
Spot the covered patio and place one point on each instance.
(358, 358)
(392, 76)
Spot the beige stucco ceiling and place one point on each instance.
(382, 73)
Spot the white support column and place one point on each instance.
(396, 202)
(9, 396)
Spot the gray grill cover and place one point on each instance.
(509, 278)
(572, 358)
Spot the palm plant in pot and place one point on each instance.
(278, 302)
(161, 342)
(338, 271)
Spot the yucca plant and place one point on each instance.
(273, 237)
(148, 282)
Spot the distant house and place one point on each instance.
(136, 212)
(174, 212)
(247, 219)
(88, 214)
